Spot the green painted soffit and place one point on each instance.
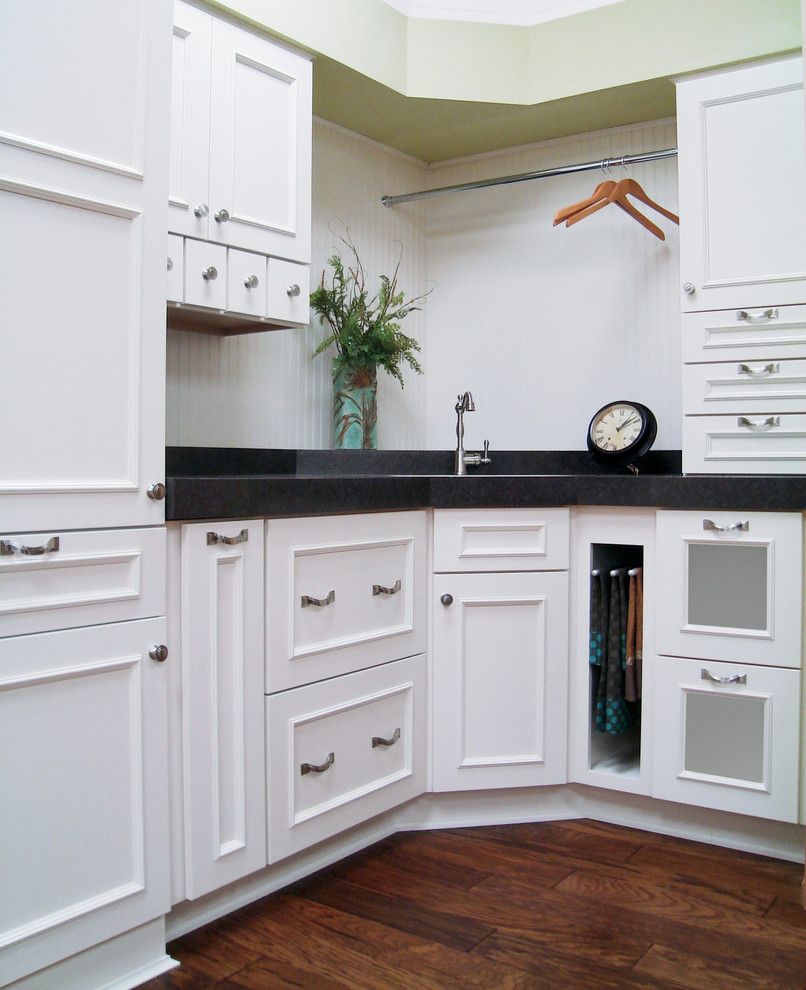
(443, 89)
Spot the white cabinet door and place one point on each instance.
(188, 186)
(741, 163)
(260, 145)
(730, 586)
(500, 678)
(727, 737)
(84, 165)
(84, 783)
(343, 751)
(222, 703)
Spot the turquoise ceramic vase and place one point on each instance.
(355, 406)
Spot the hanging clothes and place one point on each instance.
(635, 636)
(610, 611)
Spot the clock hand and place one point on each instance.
(627, 422)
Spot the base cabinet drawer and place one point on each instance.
(746, 388)
(343, 751)
(60, 580)
(343, 593)
(730, 737)
(500, 540)
(753, 444)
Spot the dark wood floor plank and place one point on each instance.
(212, 952)
(591, 840)
(789, 911)
(449, 929)
(684, 969)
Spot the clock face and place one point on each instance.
(616, 427)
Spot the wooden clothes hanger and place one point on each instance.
(608, 192)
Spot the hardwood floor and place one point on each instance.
(556, 905)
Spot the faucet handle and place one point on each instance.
(485, 457)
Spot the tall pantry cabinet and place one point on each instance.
(83, 182)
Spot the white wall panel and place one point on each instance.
(263, 390)
(545, 325)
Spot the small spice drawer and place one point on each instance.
(52, 580)
(289, 290)
(343, 751)
(205, 274)
(745, 334)
(737, 444)
(500, 540)
(175, 264)
(745, 387)
(343, 593)
(246, 282)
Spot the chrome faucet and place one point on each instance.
(463, 460)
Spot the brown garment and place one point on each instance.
(635, 637)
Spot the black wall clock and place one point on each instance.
(621, 432)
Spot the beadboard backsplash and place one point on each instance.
(264, 389)
(543, 325)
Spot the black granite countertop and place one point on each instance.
(234, 483)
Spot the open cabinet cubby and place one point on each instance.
(614, 723)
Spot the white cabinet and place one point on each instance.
(730, 586)
(222, 703)
(500, 540)
(342, 593)
(500, 680)
(342, 751)
(730, 736)
(753, 444)
(84, 163)
(240, 137)
(745, 334)
(84, 783)
(741, 164)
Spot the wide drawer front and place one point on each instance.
(739, 334)
(500, 540)
(745, 387)
(754, 444)
(343, 592)
(343, 751)
(732, 737)
(58, 580)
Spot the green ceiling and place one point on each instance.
(444, 89)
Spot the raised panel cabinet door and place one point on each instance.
(730, 586)
(189, 170)
(222, 703)
(83, 776)
(727, 737)
(500, 680)
(260, 145)
(741, 141)
(84, 175)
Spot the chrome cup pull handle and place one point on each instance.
(706, 675)
(379, 589)
(758, 424)
(748, 317)
(293, 291)
(743, 526)
(7, 548)
(230, 541)
(318, 767)
(210, 274)
(306, 601)
(380, 741)
(768, 369)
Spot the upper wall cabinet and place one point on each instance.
(240, 138)
(742, 175)
(83, 180)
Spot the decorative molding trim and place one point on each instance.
(53, 151)
(68, 673)
(68, 199)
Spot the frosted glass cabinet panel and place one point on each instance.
(729, 586)
(730, 736)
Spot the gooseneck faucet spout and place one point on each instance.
(463, 460)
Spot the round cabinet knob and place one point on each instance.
(170, 264)
(446, 600)
(689, 288)
(210, 274)
(251, 282)
(159, 653)
(222, 216)
(156, 492)
(201, 210)
(293, 290)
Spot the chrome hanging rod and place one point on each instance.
(546, 173)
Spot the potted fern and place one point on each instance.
(366, 332)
